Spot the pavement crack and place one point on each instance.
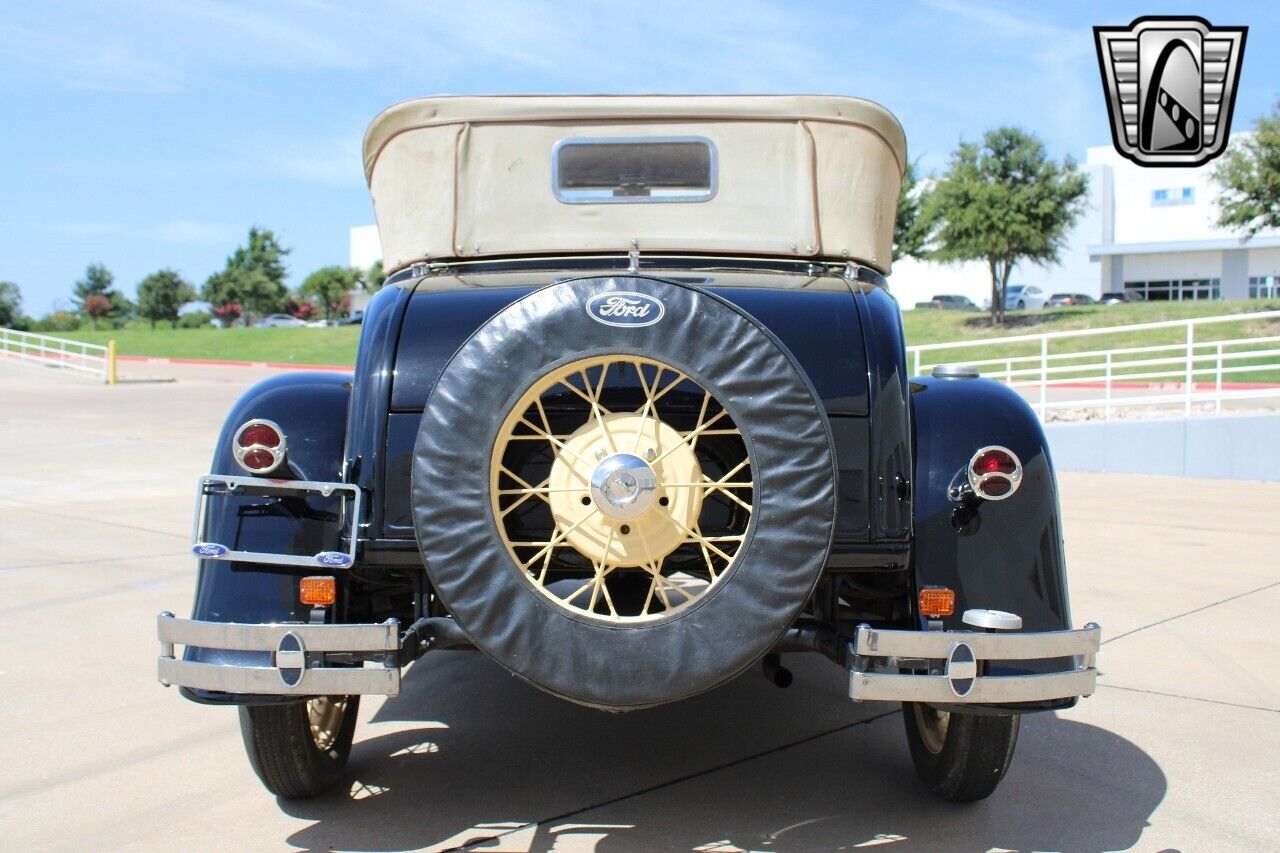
(1189, 612)
(1191, 698)
(471, 845)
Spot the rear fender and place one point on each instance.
(311, 410)
(1008, 554)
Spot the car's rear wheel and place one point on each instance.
(1022, 304)
(960, 757)
(299, 749)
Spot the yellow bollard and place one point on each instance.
(111, 362)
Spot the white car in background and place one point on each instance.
(1019, 296)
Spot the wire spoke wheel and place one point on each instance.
(324, 717)
(621, 488)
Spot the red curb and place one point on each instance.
(214, 362)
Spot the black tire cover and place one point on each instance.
(627, 665)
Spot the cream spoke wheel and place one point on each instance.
(324, 716)
(621, 488)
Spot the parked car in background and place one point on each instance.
(1020, 296)
(949, 302)
(355, 318)
(1062, 300)
(1119, 297)
(272, 321)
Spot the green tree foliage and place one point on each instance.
(372, 278)
(330, 286)
(97, 280)
(161, 296)
(1249, 174)
(253, 276)
(1003, 201)
(10, 305)
(112, 305)
(908, 240)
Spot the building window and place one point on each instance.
(1168, 197)
(1183, 290)
(1264, 286)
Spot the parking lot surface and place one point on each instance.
(1179, 748)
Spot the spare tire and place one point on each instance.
(623, 490)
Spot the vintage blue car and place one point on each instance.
(630, 416)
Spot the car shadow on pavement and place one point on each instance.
(470, 757)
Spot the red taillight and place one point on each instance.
(259, 446)
(258, 433)
(995, 473)
(994, 460)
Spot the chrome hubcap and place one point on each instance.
(623, 486)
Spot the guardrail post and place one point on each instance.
(1217, 385)
(1044, 375)
(1107, 397)
(111, 362)
(916, 372)
(1190, 378)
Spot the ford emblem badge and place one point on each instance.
(334, 559)
(625, 308)
(209, 550)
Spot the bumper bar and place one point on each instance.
(949, 667)
(298, 653)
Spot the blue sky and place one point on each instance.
(151, 133)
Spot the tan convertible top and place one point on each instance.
(802, 175)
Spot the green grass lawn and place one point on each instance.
(330, 345)
(338, 345)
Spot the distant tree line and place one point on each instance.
(250, 285)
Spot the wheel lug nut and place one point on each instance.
(650, 455)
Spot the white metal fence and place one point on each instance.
(59, 353)
(1060, 371)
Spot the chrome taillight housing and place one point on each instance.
(259, 446)
(995, 473)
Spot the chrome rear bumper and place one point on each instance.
(949, 667)
(298, 654)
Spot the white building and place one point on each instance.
(1146, 230)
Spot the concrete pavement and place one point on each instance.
(1180, 747)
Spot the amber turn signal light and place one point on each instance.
(318, 590)
(937, 601)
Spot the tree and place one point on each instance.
(97, 280)
(161, 296)
(1249, 175)
(908, 240)
(372, 278)
(331, 286)
(264, 253)
(1003, 201)
(248, 288)
(253, 275)
(228, 313)
(97, 306)
(10, 304)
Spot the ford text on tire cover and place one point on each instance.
(631, 417)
